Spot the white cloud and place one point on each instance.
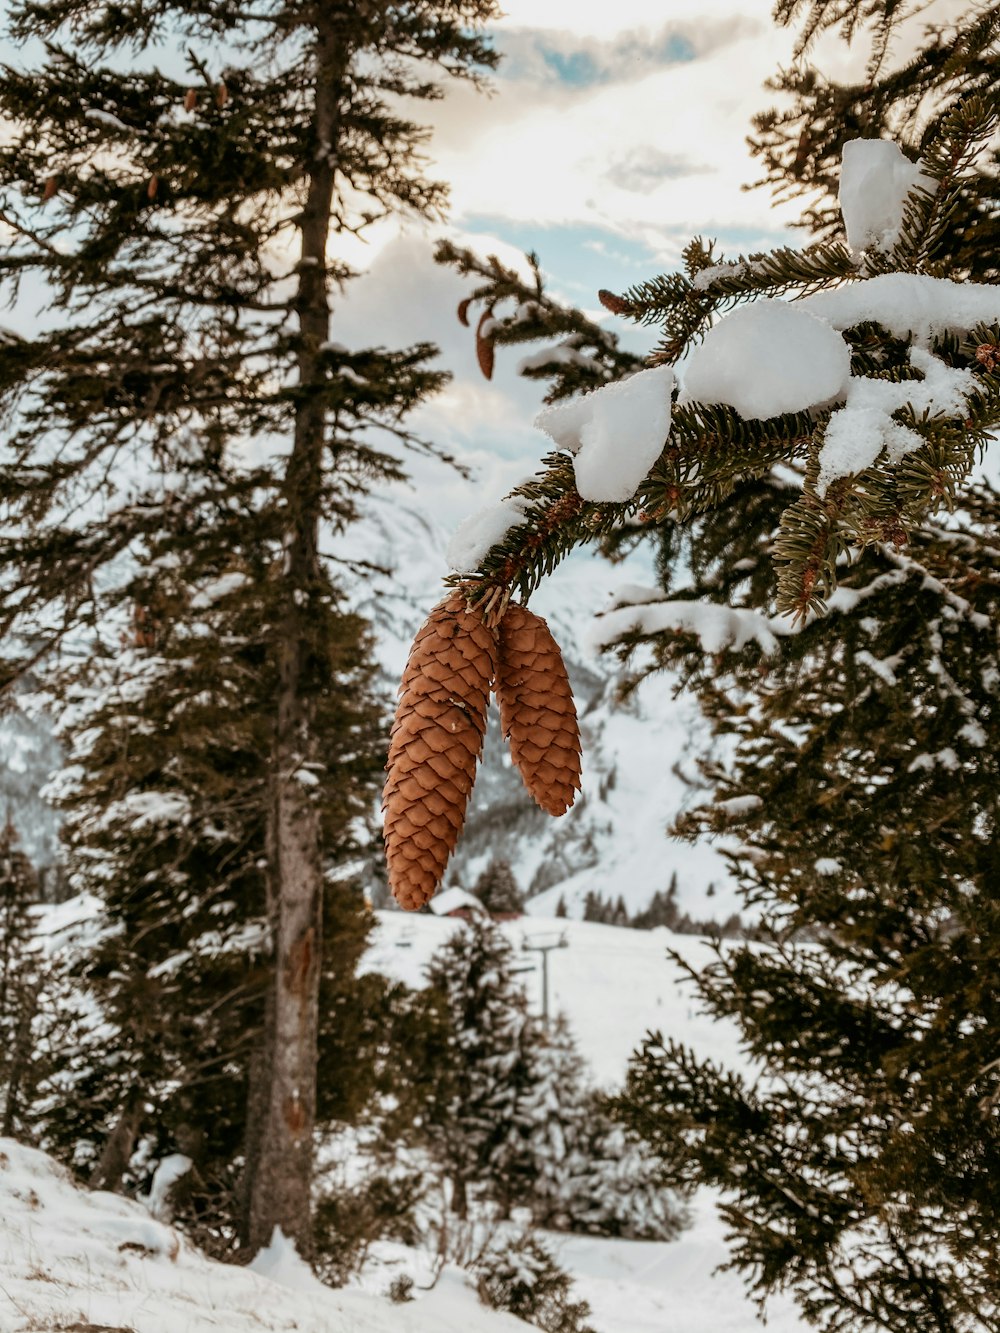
(546, 151)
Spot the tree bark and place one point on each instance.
(19, 1061)
(280, 1142)
(119, 1145)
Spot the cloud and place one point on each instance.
(646, 167)
(629, 140)
(580, 62)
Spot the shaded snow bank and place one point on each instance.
(70, 1258)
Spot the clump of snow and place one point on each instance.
(827, 865)
(616, 433)
(717, 627)
(281, 1262)
(560, 354)
(857, 434)
(908, 305)
(216, 589)
(106, 118)
(946, 758)
(142, 808)
(883, 667)
(170, 1170)
(736, 268)
(973, 732)
(736, 806)
(563, 422)
(875, 179)
(766, 359)
(476, 534)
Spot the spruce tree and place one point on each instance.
(585, 1172)
(498, 891)
(950, 57)
(863, 793)
(185, 399)
(843, 631)
(165, 826)
(482, 1067)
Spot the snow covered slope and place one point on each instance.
(76, 1260)
(613, 984)
(71, 1259)
(639, 756)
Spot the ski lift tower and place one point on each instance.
(544, 944)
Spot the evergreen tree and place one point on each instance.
(585, 1172)
(498, 891)
(662, 911)
(482, 1067)
(30, 753)
(624, 1189)
(800, 142)
(863, 784)
(553, 1115)
(182, 222)
(522, 1276)
(165, 825)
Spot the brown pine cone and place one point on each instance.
(537, 713)
(437, 739)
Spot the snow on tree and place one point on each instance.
(586, 1171)
(951, 56)
(859, 1166)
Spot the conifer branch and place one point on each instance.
(587, 354)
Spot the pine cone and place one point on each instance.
(537, 713)
(437, 739)
(484, 346)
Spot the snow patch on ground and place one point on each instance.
(615, 985)
(69, 1258)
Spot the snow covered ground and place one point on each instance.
(614, 985)
(71, 1260)
(84, 1261)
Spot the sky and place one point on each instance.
(613, 134)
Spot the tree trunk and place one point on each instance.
(19, 1061)
(280, 1146)
(119, 1145)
